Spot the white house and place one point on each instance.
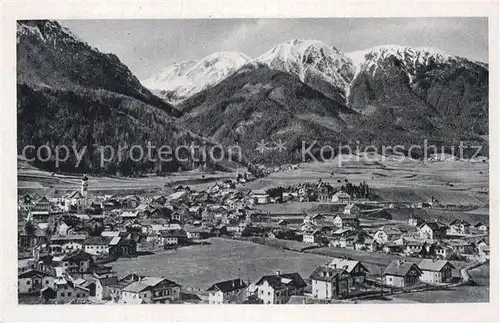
(401, 273)
(352, 209)
(341, 197)
(97, 245)
(328, 283)
(277, 289)
(311, 237)
(260, 197)
(233, 291)
(435, 271)
(459, 227)
(143, 289)
(33, 281)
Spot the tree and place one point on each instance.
(29, 229)
(253, 299)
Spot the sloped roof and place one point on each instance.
(228, 285)
(128, 214)
(114, 241)
(433, 265)
(32, 272)
(434, 225)
(283, 281)
(400, 268)
(459, 221)
(98, 240)
(346, 264)
(135, 287)
(326, 273)
(77, 255)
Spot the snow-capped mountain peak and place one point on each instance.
(415, 54)
(182, 79)
(311, 59)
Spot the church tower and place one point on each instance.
(85, 186)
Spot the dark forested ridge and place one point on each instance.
(70, 93)
(50, 55)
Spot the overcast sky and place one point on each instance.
(147, 46)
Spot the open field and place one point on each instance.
(199, 266)
(39, 181)
(202, 265)
(451, 182)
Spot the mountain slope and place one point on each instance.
(71, 94)
(423, 88)
(50, 54)
(258, 103)
(181, 80)
(320, 66)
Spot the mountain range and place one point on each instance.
(298, 91)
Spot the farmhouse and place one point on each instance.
(481, 227)
(433, 230)
(65, 289)
(459, 227)
(277, 289)
(435, 271)
(33, 281)
(341, 197)
(65, 244)
(352, 209)
(228, 292)
(77, 261)
(150, 290)
(415, 220)
(401, 273)
(386, 234)
(311, 237)
(98, 245)
(354, 268)
(328, 282)
(260, 197)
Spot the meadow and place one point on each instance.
(200, 266)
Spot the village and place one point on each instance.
(67, 243)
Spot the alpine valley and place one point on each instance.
(298, 91)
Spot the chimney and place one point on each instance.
(278, 273)
(234, 284)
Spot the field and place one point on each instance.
(202, 265)
(450, 182)
(198, 267)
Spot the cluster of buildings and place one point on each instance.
(65, 241)
(351, 228)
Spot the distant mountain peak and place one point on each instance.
(183, 79)
(417, 54)
(322, 66)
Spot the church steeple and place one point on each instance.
(85, 185)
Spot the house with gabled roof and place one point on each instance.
(401, 273)
(311, 237)
(436, 271)
(432, 230)
(481, 227)
(354, 268)
(234, 291)
(386, 234)
(277, 289)
(136, 289)
(341, 197)
(458, 226)
(329, 282)
(33, 281)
